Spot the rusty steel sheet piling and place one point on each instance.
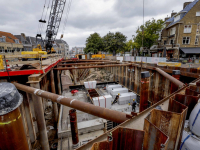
(176, 74)
(74, 128)
(12, 133)
(154, 138)
(121, 139)
(144, 90)
(108, 114)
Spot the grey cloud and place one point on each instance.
(129, 8)
(19, 16)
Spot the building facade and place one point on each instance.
(63, 47)
(77, 50)
(9, 43)
(181, 33)
(26, 43)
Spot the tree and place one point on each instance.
(114, 42)
(94, 43)
(150, 32)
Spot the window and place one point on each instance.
(198, 13)
(186, 40)
(177, 18)
(165, 42)
(3, 39)
(196, 40)
(17, 41)
(187, 29)
(172, 31)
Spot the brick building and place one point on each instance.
(180, 36)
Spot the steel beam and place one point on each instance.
(108, 114)
(87, 67)
(89, 63)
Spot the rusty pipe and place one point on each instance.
(12, 133)
(74, 128)
(108, 114)
(170, 78)
(87, 67)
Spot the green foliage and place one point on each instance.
(114, 42)
(94, 43)
(150, 33)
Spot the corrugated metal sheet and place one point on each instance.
(123, 139)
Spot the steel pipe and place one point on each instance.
(74, 128)
(170, 78)
(108, 114)
(87, 67)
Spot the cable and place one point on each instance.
(66, 19)
(39, 25)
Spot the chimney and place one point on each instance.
(185, 4)
(173, 13)
(22, 34)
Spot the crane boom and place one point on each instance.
(55, 17)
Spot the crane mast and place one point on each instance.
(55, 17)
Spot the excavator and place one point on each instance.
(57, 8)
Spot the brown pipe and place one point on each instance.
(74, 128)
(12, 132)
(87, 67)
(108, 114)
(70, 64)
(170, 78)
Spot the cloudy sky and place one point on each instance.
(85, 16)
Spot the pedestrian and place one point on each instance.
(134, 105)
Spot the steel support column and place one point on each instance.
(53, 90)
(74, 128)
(144, 90)
(39, 113)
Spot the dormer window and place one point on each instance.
(17, 41)
(187, 28)
(3, 39)
(178, 17)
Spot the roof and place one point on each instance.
(190, 50)
(60, 41)
(22, 39)
(9, 37)
(182, 13)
